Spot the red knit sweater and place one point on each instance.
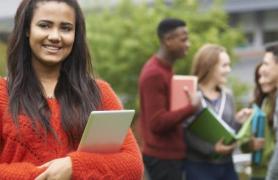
(160, 128)
(21, 155)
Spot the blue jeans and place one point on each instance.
(163, 169)
(255, 178)
(210, 171)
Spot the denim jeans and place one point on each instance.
(162, 169)
(210, 171)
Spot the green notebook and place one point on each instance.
(209, 127)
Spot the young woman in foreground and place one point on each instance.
(47, 97)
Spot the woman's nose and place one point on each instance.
(54, 35)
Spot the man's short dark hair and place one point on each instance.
(168, 25)
(273, 48)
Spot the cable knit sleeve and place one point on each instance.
(12, 170)
(24, 171)
(1, 114)
(126, 164)
(3, 100)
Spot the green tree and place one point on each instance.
(123, 37)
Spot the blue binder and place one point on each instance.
(258, 123)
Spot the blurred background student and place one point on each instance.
(211, 65)
(269, 71)
(161, 129)
(264, 98)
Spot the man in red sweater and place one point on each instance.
(161, 130)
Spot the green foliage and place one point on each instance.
(3, 48)
(123, 38)
(240, 91)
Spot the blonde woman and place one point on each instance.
(212, 65)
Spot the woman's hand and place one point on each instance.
(256, 143)
(56, 169)
(243, 115)
(223, 149)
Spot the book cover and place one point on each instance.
(105, 131)
(178, 97)
(209, 127)
(258, 125)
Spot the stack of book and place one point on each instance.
(178, 97)
(258, 125)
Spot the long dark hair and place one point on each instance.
(76, 90)
(259, 96)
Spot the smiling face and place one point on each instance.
(222, 69)
(177, 42)
(269, 69)
(266, 87)
(265, 83)
(52, 33)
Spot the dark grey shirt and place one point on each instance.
(200, 150)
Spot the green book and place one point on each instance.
(209, 127)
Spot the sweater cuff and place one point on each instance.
(82, 169)
(77, 169)
(37, 172)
